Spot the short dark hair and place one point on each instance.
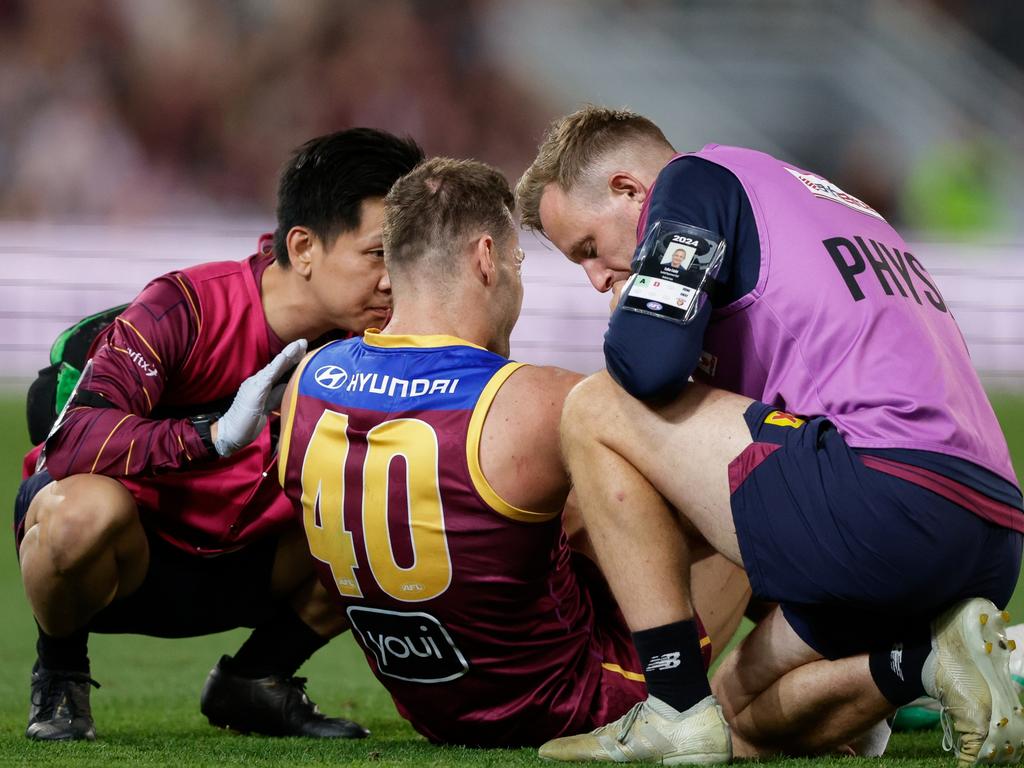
(327, 179)
(441, 202)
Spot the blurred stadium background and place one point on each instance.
(141, 135)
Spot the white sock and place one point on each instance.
(671, 713)
(873, 741)
(928, 674)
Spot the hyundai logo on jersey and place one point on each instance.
(380, 384)
(331, 376)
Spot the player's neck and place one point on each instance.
(428, 318)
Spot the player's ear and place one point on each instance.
(483, 259)
(627, 185)
(301, 242)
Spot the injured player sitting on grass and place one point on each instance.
(428, 470)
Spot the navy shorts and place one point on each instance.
(859, 559)
(182, 595)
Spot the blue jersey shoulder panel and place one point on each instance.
(357, 375)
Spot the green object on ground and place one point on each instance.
(912, 718)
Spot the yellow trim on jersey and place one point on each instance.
(142, 338)
(375, 338)
(476, 473)
(624, 672)
(149, 400)
(284, 439)
(188, 295)
(184, 449)
(104, 446)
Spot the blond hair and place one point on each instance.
(572, 145)
(432, 210)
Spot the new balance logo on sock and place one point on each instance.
(665, 661)
(896, 660)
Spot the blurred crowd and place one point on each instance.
(119, 110)
(127, 109)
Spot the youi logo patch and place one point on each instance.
(415, 647)
(331, 376)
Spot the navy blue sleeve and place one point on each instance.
(652, 357)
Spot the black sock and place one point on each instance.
(67, 654)
(278, 647)
(673, 663)
(897, 671)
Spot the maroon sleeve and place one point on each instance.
(132, 361)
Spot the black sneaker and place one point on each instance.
(59, 706)
(272, 706)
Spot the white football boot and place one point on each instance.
(968, 672)
(652, 732)
(1016, 634)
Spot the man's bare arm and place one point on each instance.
(519, 448)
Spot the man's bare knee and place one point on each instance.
(586, 408)
(318, 608)
(294, 578)
(78, 516)
(720, 591)
(293, 564)
(728, 689)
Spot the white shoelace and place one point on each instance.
(948, 731)
(627, 722)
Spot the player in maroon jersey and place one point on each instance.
(153, 508)
(432, 486)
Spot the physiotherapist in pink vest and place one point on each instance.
(153, 507)
(834, 441)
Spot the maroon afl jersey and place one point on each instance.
(231, 502)
(473, 613)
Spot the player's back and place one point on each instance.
(467, 607)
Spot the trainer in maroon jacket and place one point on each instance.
(176, 345)
(154, 508)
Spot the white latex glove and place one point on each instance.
(256, 398)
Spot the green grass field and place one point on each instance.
(147, 712)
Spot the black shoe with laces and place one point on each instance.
(59, 706)
(272, 706)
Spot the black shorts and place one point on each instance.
(859, 559)
(182, 595)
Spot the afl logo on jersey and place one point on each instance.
(331, 376)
